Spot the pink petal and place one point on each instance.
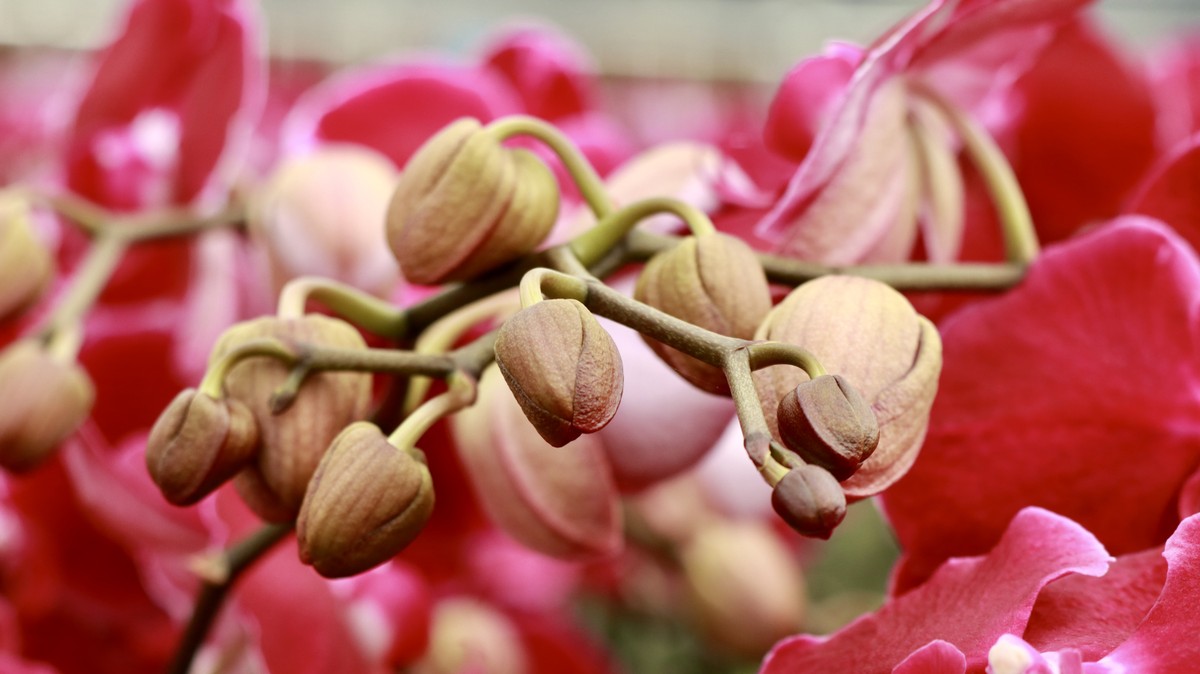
(1169, 191)
(1166, 639)
(935, 657)
(551, 74)
(968, 602)
(172, 98)
(806, 97)
(1029, 402)
(1174, 71)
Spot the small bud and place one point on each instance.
(294, 440)
(562, 503)
(747, 588)
(713, 281)
(810, 500)
(466, 205)
(42, 401)
(323, 214)
(827, 422)
(468, 636)
(197, 444)
(366, 502)
(26, 266)
(563, 368)
(869, 334)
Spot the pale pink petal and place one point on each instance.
(935, 657)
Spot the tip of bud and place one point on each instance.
(366, 502)
(810, 500)
(828, 423)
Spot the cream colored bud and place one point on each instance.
(197, 444)
(868, 333)
(747, 587)
(828, 423)
(810, 500)
(294, 440)
(323, 214)
(42, 401)
(469, 636)
(563, 368)
(366, 502)
(466, 204)
(26, 266)
(713, 281)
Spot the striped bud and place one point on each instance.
(828, 423)
(466, 204)
(197, 444)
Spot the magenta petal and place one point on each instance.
(1094, 615)
(968, 602)
(1166, 640)
(170, 97)
(1037, 391)
(394, 109)
(551, 74)
(805, 99)
(935, 657)
(1170, 192)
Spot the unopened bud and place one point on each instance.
(466, 204)
(747, 588)
(42, 401)
(366, 502)
(26, 266)
(870, 335)
(468, 636)
(323, 214)
(197, 444)
(294, 440)
(828, 423)
(713, 281)
(563, 368)
(810, 500)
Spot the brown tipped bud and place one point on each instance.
(367, 501)
(747, 588)
(828, 423)
(294, 440)
(197, 444)
(869, 334)
(323, 214)
(563, 368)
(713, 281)
(810, 500)
(466, 205)
(42, 401)
(26, 267)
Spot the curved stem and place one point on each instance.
(231, 566)
(87, 283)
(591, 186)
(213, 384)
(593, 244)
(748, 406)
(1020, 237)
(461, 394)
(766, 354)
(348, 302)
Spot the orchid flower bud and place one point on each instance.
(197, 444)
(563, 368)
(26, 266)
(560, 502)
(323, 214)
(466, 205)
(42, 401)
(294, 440)
(869, 334)
(713, 281)
(747, 588)
(810, 500)
(366, 502)
(827, 422)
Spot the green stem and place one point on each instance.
(89, 280)
(748, 406)
(461, 394)
(766, 354)
(1020, 237)
(591, 186)
(596, 242)
(212, 595)
(348, 302)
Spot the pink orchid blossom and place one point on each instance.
(1029, 405)
(879, 157)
